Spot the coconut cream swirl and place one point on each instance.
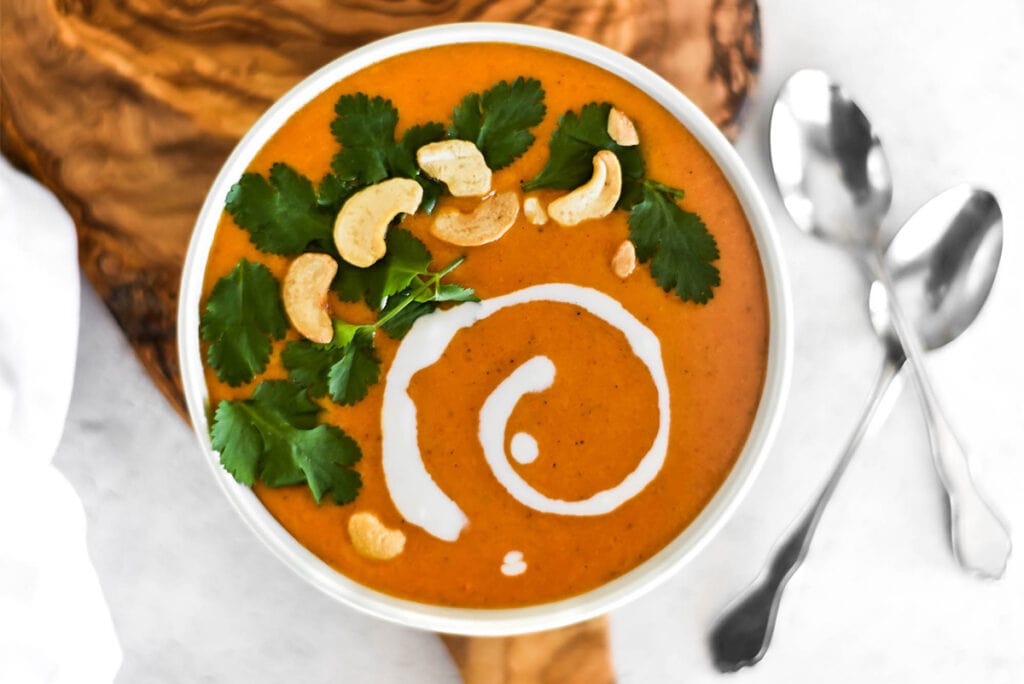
(413, 490)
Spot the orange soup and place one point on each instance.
(539, 436)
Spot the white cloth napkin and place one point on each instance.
(54, 623)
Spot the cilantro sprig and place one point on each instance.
(242, 315)
(275, 436)
(365, 128)
(573, 144)
(499, 120)
(283, 214)
(423, 295)
(346, 367)
(675, 242)
(343, 370)
(405, 258)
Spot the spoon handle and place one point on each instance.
(980, 539)
(742, 633)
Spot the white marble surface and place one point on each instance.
(195, 598)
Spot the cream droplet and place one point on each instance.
(513, 564)
(524, 448)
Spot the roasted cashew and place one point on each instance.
(372, 539)
(305, 295)
(624, 260)
(486, 223)
(621, 129)
(594, 199)
(364, 219)
(458, 164)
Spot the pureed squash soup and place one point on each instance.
(513, 419)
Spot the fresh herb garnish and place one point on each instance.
(423, 297)
(243, 313)
(405, 258)
(332, 192)
(343, 369)
(365, 127)
(573, 144)
(499, 119)
(275, 437)
(676, 242)
(285, 213)
(348, 365)
(282, 216)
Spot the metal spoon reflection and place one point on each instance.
(834, 179)
(943, 262)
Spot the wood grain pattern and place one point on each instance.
(126, 109)
(571, 655)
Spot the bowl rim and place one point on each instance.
(639, 580)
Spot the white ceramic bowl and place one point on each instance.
(489, 622)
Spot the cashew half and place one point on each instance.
(621, 129)
(594, 199)
(364, 219)
(458, 164)
(486, 223)
(305, 295)
(372, 539)
(624, 260)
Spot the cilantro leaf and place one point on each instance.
(274, 437)
(401, 321)
(244, 311)
(282, 216)
(350, 282)
(406, 257)
(308, 364)
(349, 379)
(452, 292)
(676, 242)
(408, 306)
(403, 161)
(344, 368)
(498, 121)
(332, 192)
(573, 144)
(365, 127)
(467, 120)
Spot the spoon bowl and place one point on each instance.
(828, 162)
(943, 262)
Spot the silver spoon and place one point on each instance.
(835, 182)
(943, 262)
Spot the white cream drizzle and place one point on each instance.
(413, 490)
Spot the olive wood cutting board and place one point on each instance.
(127, 109)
